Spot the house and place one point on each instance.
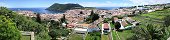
(130, 20)
(150, 10)
(106, 28)
(64, 24)
(70, 25)
(141, 8)
(123, 24)
(81, 28)
(115, 19)
(93, 28)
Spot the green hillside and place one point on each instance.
(58, 6)
(156, 17)
(22, 23)
(153, 26)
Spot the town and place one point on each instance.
(83, 23)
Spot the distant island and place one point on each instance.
(62, 7)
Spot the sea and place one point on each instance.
(42, 10)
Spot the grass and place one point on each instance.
(88, 37)
(100, 25)
(112, 25)
(75, 37)
(26, 37)
(156, 18)
(104, 37)
(93, 36)
(114, 35)
(153, 17)
(123, 35)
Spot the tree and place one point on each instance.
(43, 35)
(120, 16)
(23, 23)
(81, 12)
(63, 19)
(167, 20)
(106, 20)
(92, 17)
(151, 32)
(57, 33)
(117, 25)
(113, 21)
(54, 24)
(8, 30)
(54, 34)
(38, 18)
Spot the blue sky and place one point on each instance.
(86, 3)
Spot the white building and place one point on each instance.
(80, 30)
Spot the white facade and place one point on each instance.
(80, 30)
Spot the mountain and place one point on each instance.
(61, 7)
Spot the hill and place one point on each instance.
(21, 23)
(57, 7)
(157, 17)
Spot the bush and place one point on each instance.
(8, 30)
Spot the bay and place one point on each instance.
(36, 10)
(42, 10)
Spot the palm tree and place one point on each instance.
(150, 32)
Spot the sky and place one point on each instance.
(85, 3)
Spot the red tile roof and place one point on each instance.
(115, 19)
(70, 25)
(124, 23)
(106, 26)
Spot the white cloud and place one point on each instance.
(145, 2)
(3, 4)
(104, 4)
(127, 3)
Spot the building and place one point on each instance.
(70, 25)
(93, 28)
(115, 19)
(81, 28)
(27, 13)
(106, 28)
(24, 34)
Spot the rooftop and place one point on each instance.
(106, 26)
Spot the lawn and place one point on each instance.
(123, 35)
(112, 25)
(26, 37)
(114, 35)
(75, 37)
(88, 37)
(93, 36)
(104, 37)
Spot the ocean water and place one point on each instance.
(37, 10)
(42, 10)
